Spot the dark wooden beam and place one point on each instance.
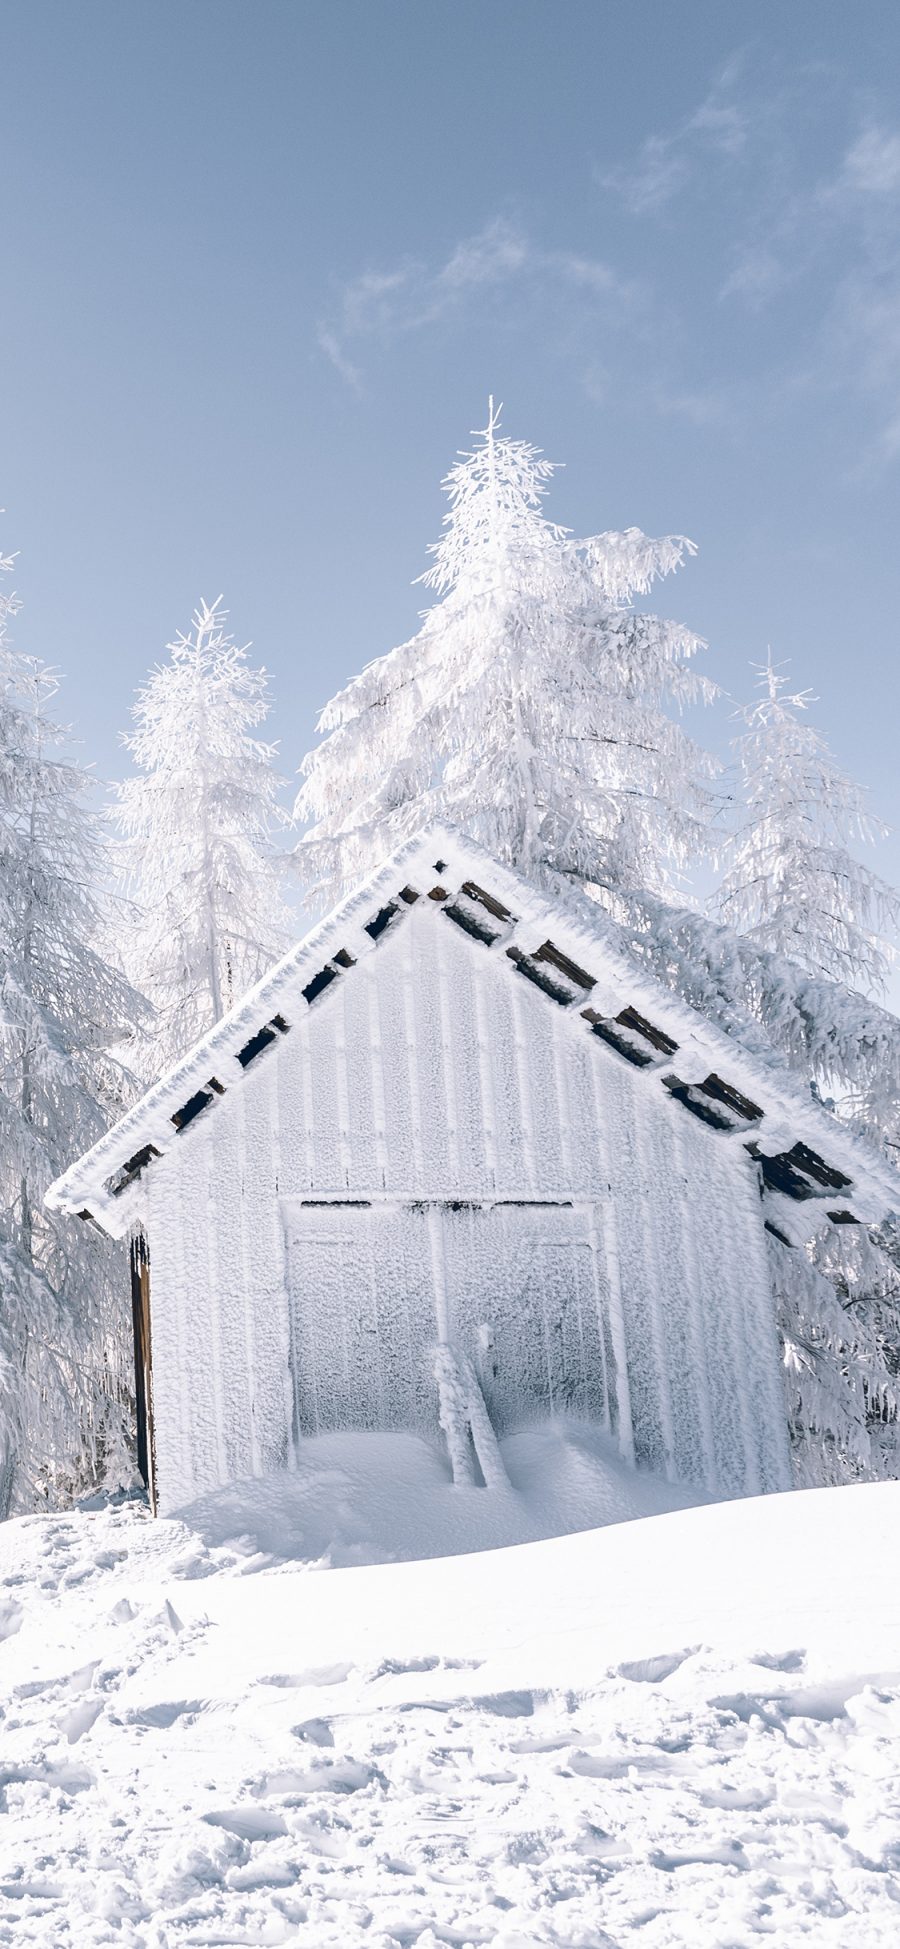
(143, 1367)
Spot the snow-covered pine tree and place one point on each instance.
(807, 938)
(793, 885)
(840, 1041)
(207, 915)
(839, 1318)
(805, 932)
(65, 1360)
(840, 1328)
(529, 708)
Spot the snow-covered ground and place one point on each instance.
(682, 1730)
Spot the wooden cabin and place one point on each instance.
(456, 1164)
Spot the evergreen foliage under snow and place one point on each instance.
(844, 1043)
(65, 1355)
(529, 709)
(793, 885)
(197, 820)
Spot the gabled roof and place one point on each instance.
(810, 1162)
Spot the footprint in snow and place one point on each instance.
(192, 1565)
(322, 1775)
(652, 1671)
(166, 1714)
(507, 1705)
(33, 1687)
(83, 1678)
(77, 1681)
(592, 1766)
(71, 1579)
(742, 1799)
(317, 1675)
(598, 1845)
(728, 1854)
(398, 1667)
(80, 1720)
(316, 1732)
(876, 1708)
(548, 1744)
(780, 1661)
(823, 1702)
(123, 1612)
(248, 1823)
(69, 1779)
(11, 1615)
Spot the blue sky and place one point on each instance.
(262, 264)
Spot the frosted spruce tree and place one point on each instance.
(65, 1359)
(796, 948)
(838, 1307)
(793, 885)
(197, 823)
(529, 709)
(805, 943)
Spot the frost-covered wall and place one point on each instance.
(606, 1254)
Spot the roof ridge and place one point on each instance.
(630, 991)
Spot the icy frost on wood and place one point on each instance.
(599, 1251)
(466, 1422)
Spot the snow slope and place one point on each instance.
(681, 1730)
(354, 1498)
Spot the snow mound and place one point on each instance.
(379, 1498)
(675, 1730)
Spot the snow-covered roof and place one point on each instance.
(568, 948)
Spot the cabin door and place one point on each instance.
(523, 1302)
(374, 1287)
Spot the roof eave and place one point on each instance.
(582, 930)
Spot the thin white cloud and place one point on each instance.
(714, 406)
(653, 180)
(841, 234)
(833, 237)
(332, 350)
(757, 274)
(826, 236)
(861, 349)
(591, 275)
(723, 124)
(374, 301)
(666, 164)
(872, 164)
(850, 215)
(498, 252)
(386, 304)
